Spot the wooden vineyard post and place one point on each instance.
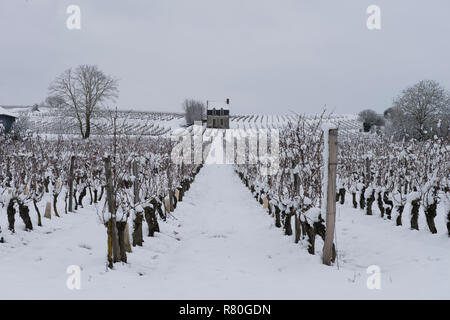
(135, 183)
(113, 241)
(328, 254)
(137, 223)
(72, 162)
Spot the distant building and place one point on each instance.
(218, 118)
(7, 119)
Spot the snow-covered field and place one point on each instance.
(50, 121)
(346, 122)
(221, 243)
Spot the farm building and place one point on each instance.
(6, 119)
(218, 118)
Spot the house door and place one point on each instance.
(214, 123)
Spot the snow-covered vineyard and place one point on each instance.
(136, 224)
(57, 122)
(51, 121)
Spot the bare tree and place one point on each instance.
(21, 126)
(370, 118)
(83, 91)
(421, 111)
(55, 101)
(193, 110)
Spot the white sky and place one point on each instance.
(268, 56)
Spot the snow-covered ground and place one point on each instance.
(52, 123)
(346, 122)
(220, 243)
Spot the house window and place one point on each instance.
(214, 123)
(221, 122)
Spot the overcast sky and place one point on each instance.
(267, 56)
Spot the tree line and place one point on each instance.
(421, 112)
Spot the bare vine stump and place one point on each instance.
(167, 204)
(75, 199)
(121, 225)
(182, 190)
(65, 202)
(415, 214)
(362, 200)
(399, 217)
(90, 196)
(311, 234)
(430, 214)
(252, 189)
(380, 204)
(297, 228)
(287, 224)
(55, 208)
(81, 197)
(174, 201)
(11, 211)
(448, 223)
(48, 210)
(137, 230)
(102, 190)
(277, 217)
(389, 203)
(341, 195)
(158, 205)
(355, 203)
(46, 183)
(152, 221)
(36, 208)
(370, 202)
(171, 200)
(24, 213)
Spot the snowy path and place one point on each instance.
(228, 248)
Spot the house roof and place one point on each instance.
(5, 112)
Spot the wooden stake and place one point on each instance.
(113, 240)
(331, 197)
(71, 177)
(136, 183)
